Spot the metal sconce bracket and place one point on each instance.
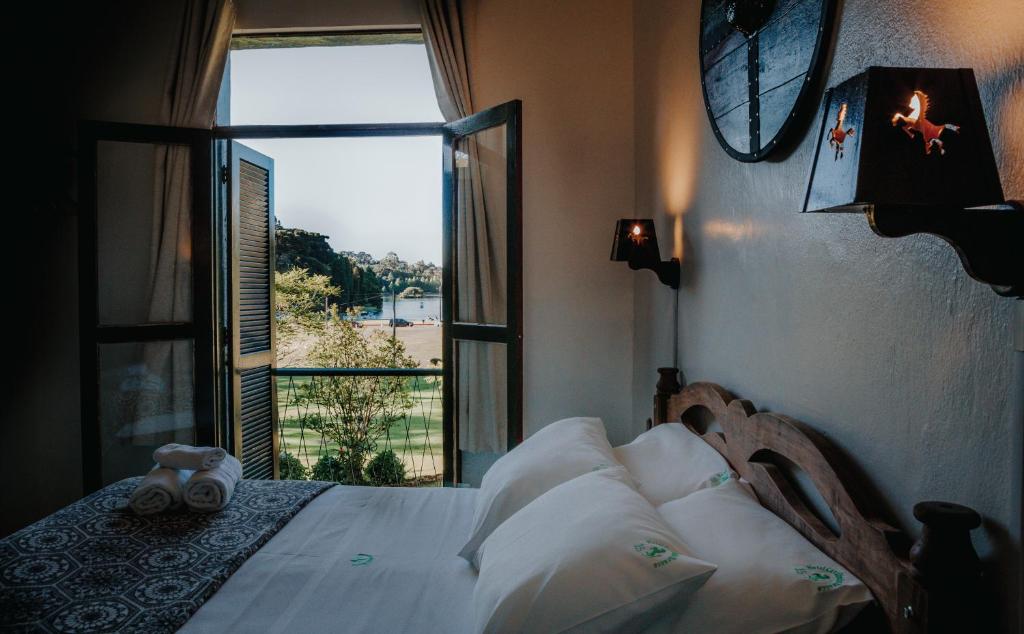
(636, 242)
(879, 153)
(667, 272)
(988, 241)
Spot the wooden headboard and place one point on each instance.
(753, 443)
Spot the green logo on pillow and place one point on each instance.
(823, 577)
(601, 465)
(362, 559)
(662, 555)
(720, 478)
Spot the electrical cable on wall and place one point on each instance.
(675, 331)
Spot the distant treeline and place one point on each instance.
(358, 275)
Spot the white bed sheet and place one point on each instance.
(305, 580)
(314, 576)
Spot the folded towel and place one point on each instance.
(211, 489)
(178, 456)
(160, 490)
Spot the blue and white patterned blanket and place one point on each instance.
(95, 566)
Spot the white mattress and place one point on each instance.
(314, 576)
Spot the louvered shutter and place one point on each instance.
(252, 279)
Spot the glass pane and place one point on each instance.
(145, 400)
(144, 242)
(332, 79)
(481, 396)
(366, 212)
(481, 227)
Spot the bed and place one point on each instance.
(392, 552)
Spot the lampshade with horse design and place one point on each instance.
(903, 136)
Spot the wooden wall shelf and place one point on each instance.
(989, 241)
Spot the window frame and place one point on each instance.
(93, 333)
(223, 136)
(225, 133)
(509, 334)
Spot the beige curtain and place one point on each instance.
(190, 100)
(446, 53)
(481, 370)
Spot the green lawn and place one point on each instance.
(416, 438)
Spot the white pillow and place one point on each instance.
(559, 452)
(669, 461)
(769, 578)
(589, 555)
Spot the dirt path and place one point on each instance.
(422, 342)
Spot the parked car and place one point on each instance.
(398, 323)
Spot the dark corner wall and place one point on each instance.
(105, 60)
(886, 346)
(39, 433)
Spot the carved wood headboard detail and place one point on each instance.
(866, 545)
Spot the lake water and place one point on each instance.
(428, 307)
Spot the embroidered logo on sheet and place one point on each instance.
(720, 478)
(661, 555)
(824, 577)
(362, 559)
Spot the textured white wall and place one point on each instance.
(571, 63)
(886, 346)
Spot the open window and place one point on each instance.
(177, 290)
(145, 295)
(483, 276)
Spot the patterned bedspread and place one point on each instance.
(95, 566)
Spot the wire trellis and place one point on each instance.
(416, 437)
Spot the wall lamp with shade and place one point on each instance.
(909, 148)
(636, 242)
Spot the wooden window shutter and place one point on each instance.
(252, 281)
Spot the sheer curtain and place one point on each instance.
(189, 100)
(481, 372)
(446, 53)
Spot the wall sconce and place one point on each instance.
(636, 242)
(909, 148)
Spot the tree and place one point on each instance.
(385, 470)
(291, 468)
(298, 248)
(352, 411)
(356, 411)
(389, 262)
(300, 298)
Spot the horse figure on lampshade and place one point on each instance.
(837, 135)
(917, 121)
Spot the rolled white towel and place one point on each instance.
(211, 489)
(178, 456)
(160, 490)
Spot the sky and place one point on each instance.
(369, 194)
